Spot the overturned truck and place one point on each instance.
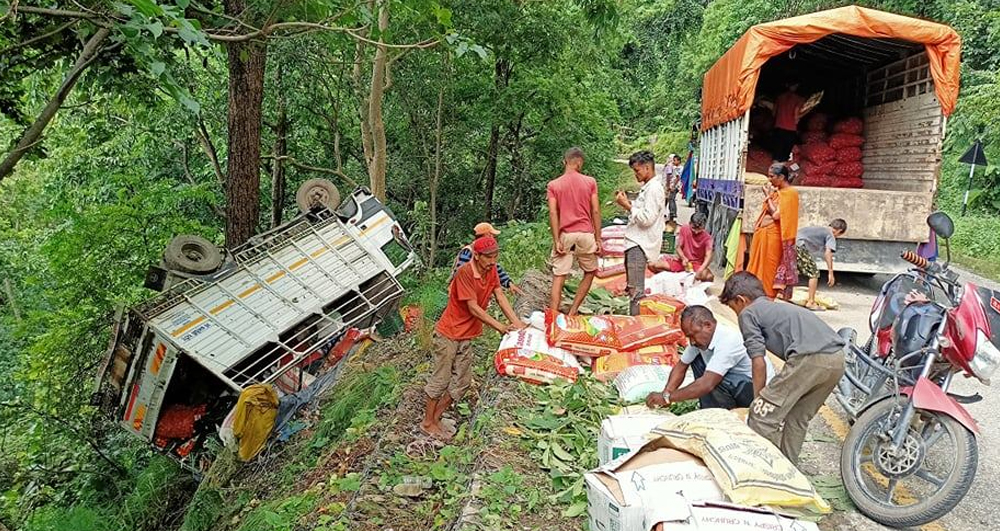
(896, 78)
(270, 311)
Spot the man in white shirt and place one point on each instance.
(718, 358)
(644, 232)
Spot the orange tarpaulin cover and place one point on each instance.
(731, 82)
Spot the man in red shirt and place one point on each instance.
(787, 112)
(462, 321)
(694, 251)
(575, 221)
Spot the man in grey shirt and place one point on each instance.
(813, 354)
(814, 241)
(719, 362)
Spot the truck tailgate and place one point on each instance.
(882, 215)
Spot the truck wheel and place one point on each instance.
(192, 254)
(317, 192)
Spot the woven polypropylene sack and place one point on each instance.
(748, 468)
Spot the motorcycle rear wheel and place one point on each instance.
(948, 494)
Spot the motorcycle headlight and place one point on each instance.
(987, 357)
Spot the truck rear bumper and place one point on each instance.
(868, 256)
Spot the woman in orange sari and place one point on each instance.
(772, 251)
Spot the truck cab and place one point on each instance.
(273, 314)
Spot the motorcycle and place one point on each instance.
(862, 384)
(911, 454)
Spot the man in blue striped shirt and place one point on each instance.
(465, 255)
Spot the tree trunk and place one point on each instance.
(363, 106)
(210, 152)
(377, 170)
(501, 79)
(280, 151)
(435, 180)
(247, 61)
(9, 292)
(516, 166)
(33, 134)
(491, 169)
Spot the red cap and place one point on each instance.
(485, 245)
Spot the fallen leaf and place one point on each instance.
(511, 430)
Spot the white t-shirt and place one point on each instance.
(725, 353)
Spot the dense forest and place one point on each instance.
(125, 123)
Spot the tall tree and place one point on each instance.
(247, 61)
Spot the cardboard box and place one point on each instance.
(624, 433)
(719, 516)
(621, 493)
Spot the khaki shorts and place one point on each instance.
(579, 245)
(452, 368)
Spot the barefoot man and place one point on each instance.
(469, 294)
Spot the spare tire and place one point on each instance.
(192, 254)
(317, 192)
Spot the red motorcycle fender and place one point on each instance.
(928, 396)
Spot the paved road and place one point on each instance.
(977, 512)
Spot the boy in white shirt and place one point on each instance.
(644, 232)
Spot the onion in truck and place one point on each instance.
(869, 152)
(272, 311)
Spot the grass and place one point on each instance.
(976, 244)
(283, 515)
(352, 410)
(662, 144)
(67, 519)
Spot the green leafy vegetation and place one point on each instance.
(561, 425)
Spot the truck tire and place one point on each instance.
(192, 254)
(317, 192)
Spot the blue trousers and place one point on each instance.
(734, 391)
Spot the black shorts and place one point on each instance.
(782, 141)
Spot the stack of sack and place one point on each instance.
(832, 160)
(818, 158)
(613, 241)
(847, 141)
(554, 346)
(702, 470)
(758, 160)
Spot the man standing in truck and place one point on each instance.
(575, 222)
(469, 295)
(787, 112)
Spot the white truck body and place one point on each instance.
(285, 297)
